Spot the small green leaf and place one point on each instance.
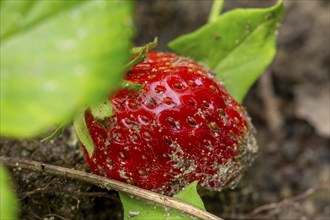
(8, 200)
(141, 209)
(57, 56)
(238, 45)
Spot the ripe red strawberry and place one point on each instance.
(182, 126)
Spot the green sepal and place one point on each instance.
(127, 85)
(102, 111)
(83, 132)
(141, 52)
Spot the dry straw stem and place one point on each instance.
(288, 201)
(109, 185)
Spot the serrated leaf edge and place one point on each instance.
(270, 10)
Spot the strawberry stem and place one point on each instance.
(147, 47)
(215, 10)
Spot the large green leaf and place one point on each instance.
(8, 201)
(57, 56)
(140, 209)
(238, 45)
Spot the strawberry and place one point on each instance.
(180, 127)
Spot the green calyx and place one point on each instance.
(83, 132)
(100, 111)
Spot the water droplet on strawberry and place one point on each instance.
(198, 82)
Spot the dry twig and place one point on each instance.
(287, 201)
(274, 118)
(109, 185)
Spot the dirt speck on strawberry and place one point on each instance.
(181, 127)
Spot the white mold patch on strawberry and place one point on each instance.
(180, 127)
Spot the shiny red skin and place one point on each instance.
(182, 126)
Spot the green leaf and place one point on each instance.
(190, 195)
(238, 46)
(141, 209)
(8, 201)
(58, 56)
